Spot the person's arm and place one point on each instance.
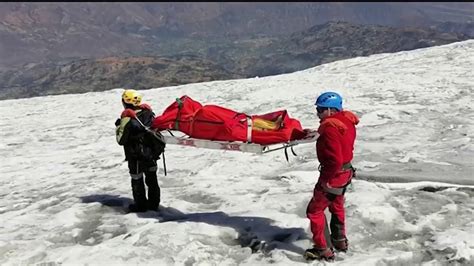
(332, 163)
(123, 130)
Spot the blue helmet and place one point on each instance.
(329, 100)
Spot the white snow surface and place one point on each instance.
(64, 182)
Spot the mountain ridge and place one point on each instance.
(38, 32)
(202, 61)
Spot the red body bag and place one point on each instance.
(214, 122)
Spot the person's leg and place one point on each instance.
(151, 180)
(315, 213)
(138, 187)
(338, 228)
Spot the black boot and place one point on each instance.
(154, 191)
(338, 239)
(319, 254)
(340, 244)
(138, 191)
(136, 208)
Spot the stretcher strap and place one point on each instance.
(178, 116)
(249, 129)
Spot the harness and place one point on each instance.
(339, 190)
(345, 167)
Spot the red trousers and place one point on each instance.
(315, 212)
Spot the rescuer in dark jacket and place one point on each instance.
(140, 152)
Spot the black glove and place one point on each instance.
(117, 122)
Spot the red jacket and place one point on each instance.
(335, 146)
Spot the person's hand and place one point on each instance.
(128, 113)
(117, 122)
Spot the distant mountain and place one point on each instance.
(48, 32)
(107, 73)
(338, 40)
(466, 28)
(201, 61)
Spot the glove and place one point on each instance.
(128, 113)
(117, 122)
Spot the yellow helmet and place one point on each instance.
(132, 97)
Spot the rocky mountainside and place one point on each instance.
(107, 73)
(48, 32)
(466, 27)
(219, 60)
(335, 41)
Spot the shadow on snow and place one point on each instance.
(254, 232)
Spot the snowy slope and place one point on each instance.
(64, 181)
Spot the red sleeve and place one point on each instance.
(331, 153)
(145, 106)
(128, 113)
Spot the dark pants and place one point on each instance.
(149, 168)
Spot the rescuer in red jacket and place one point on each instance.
(334, 149)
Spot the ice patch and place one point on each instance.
(367, 165)
(459, 243)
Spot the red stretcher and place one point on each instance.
(210, 126)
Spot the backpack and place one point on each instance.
(155, 141)
(151, 143)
